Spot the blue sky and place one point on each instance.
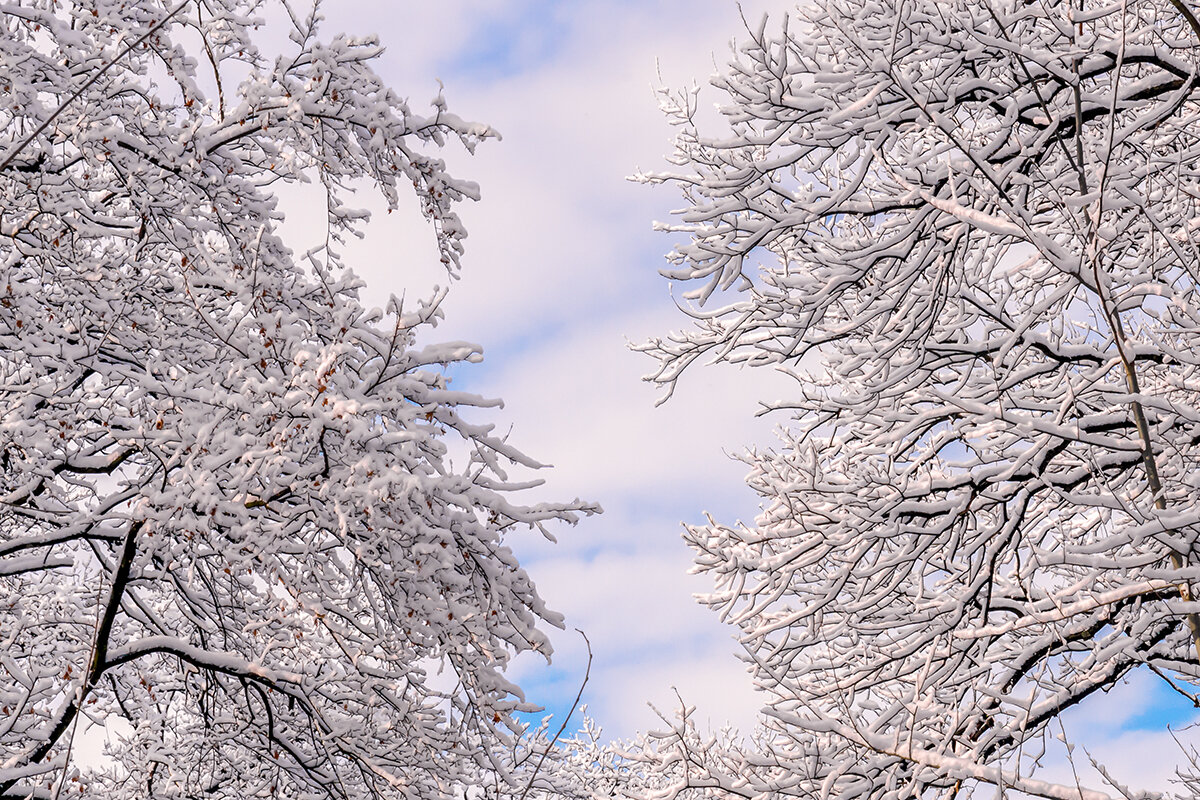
(508, 40)
(560, 272)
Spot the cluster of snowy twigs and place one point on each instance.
(968, 229)
(229, 528)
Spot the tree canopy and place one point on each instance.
(969, 230)
(229, 517)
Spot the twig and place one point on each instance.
(1193, 699)
(586, 674)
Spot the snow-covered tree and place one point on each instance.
(230, 525)
(970, 229)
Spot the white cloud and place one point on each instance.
(560, 232)
(561, 266)
(578, 400)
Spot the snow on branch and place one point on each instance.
(228, 514)
(968, 230)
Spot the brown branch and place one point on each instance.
(67, 714)
(1187, 14)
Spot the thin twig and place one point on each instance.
(1193, 699)
(586, 674)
